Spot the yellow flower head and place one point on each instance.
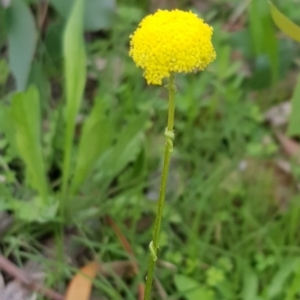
(171, 41)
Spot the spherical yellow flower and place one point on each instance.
(171, 41)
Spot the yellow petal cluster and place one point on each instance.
(171, 41)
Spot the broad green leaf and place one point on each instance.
(250, 285)
(284, 24)
(191, 289)
(288, 267)
(25, 111)
(98, 13)
(95, 138)
(75, 60)
(75, 73)
(294, 121)
(31, 211)
(125, 150)
(22, 37)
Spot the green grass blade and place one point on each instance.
(285, 24)
(294, 121)
(75, 73)
(25, 111)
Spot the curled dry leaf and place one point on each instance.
(81, 284)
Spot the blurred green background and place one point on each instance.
(232, 214)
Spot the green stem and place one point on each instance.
(167, 156)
